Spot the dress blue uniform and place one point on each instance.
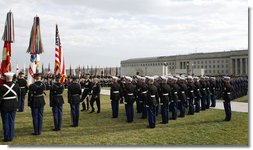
(95, 97)
(151, 105)
(8, 105)
(203, 94)
(227, 98)
(143, 99)
(213, 92)
(36, 102)
(197, 95)
(23, 90)
(174, 100)
(182, 98)
(208, 94)
(74, 92)
(190, 96)
(56, 102)
(115, 97)
(129, 100)
(164, 93)
(85, 94)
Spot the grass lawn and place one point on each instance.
(244, 99)
(204, 128)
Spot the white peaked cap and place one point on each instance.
(9, 74)
(213, 78)
(156, 76)
(174, 79)
(163, 78)
(128, 78)
(150, 78)
(115, 78)
(196, 78)
(189, 77)
(226, 77)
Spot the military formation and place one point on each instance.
(168, 96)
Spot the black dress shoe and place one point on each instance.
(34, 133)
(83, 109)
(92, 111)
(55, 129)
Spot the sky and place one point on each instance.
(104, 32)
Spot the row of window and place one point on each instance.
(149, 64)
(210, 61)
(209, 66)
(195, 63)
(216, 71)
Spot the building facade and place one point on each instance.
(212, 64)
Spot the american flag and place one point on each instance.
(59, 68)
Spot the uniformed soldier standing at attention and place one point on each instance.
(197, 94)
(152, 102)
(56, 102)
(164, 93)
(182, 96)
(174, 97)
(36, 102)
(213, 91)
(190, 94)
(208, 93)
(129, 99)
(23, 90)
(96, 88)
(74, 92)
(115, 97)
(9, 93)
(203, 93)
(227, 98)
(143, 97)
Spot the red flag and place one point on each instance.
(6, 58)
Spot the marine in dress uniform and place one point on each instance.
(9, 93)
(157, 84)
(143, 97)
(190, 94)
(86, 92)
(174, 97)
(182, 96)
(96, 88)
(56, 102)
(23, 90)
(164, 93)
(213, 91)
(152, 102)
(203, 93)
(129, 99)
(208, 93)
(138, 95)
(197, 94)
(36, 102)
(115, 97)
(74, 92)
(227, 98)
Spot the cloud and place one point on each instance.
(95, 32)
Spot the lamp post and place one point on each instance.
(192, 69)
(165, 64)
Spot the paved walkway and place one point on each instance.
(235, 106)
